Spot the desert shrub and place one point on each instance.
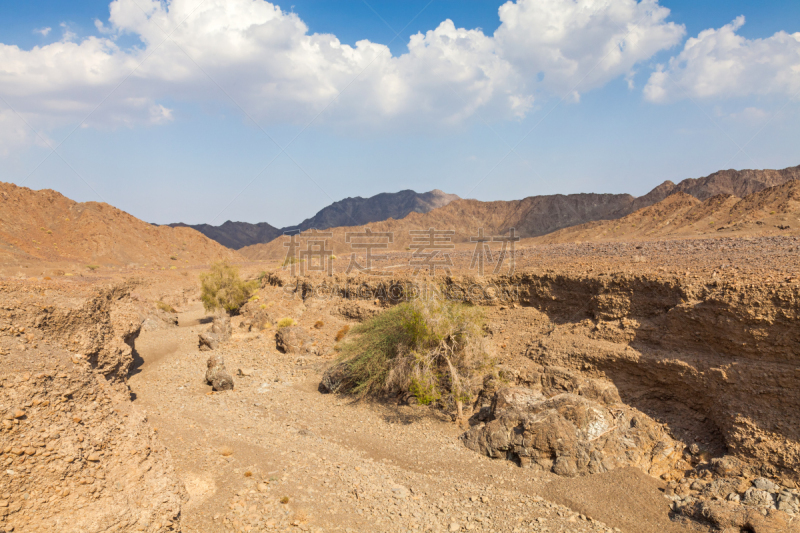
(432, 349)
(286, 322)
(342, 332)
(92, 267)
(165, 307)
(222, 288)
(319, 324)
(174, 258)
(291, 261)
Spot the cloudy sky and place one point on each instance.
(210, 110)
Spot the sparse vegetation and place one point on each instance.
(286, 322)
(433, 349)
(285, 500)
(342, 332)
(291, 261)
(92, 267)
(319, 324)
(222, 288)
(165, 307)
(226, 451)
(174, 258)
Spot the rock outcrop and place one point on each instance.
(584, 431)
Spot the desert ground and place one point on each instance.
(110, 424)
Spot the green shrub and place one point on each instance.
(286, 322)
(432, 349)
(222, 288)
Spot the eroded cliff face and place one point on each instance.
(713, 362)
(78, 456)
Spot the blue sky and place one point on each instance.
(188, 127)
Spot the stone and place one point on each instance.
(758, 498)
(765, 484)
(207, 341)
(454, 526)
(217, 375)
(571, 433)
(293, 339)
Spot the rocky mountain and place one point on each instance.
(236, 235)
(348, 212)
(49, 227)
(770, 211)
(537, 216)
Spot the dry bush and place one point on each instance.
(434, 349)
(342, 332)
(286, 322)
(319, 324)
(165, 307)
(222, 288)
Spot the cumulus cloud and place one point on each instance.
(266, 60)
(579, 45)
(44, 32)
(720, 63)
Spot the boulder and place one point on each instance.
(332, 379)
(293, 339)
(216, 375)
(207, 341)
(571, 434)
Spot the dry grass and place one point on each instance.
(286, 322)
(433, 349)
(342, 332)
(248, 474)
(165, 307)
(319, 324)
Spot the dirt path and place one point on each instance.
(339, 466)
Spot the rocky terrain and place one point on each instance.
(646, 382)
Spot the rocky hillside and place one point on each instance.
(347, 212)
(44, 225)
(771, 211)
(538, 216)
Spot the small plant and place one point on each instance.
(92, 267)
(248, 474)
(165, 307)
(263, 306)
(332, 258)
(222, 288)
(286, 322)
(285, 500)
(291, 261)
(342, 332)
(433, 349)
(226, 451)
(174, 258)
(319, 324)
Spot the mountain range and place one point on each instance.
(533, 216)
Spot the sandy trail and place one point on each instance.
(345, 466)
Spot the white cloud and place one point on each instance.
(719, 63)
(269, 63)
(578, 45)
(44, 32)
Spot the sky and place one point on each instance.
(203, 111)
